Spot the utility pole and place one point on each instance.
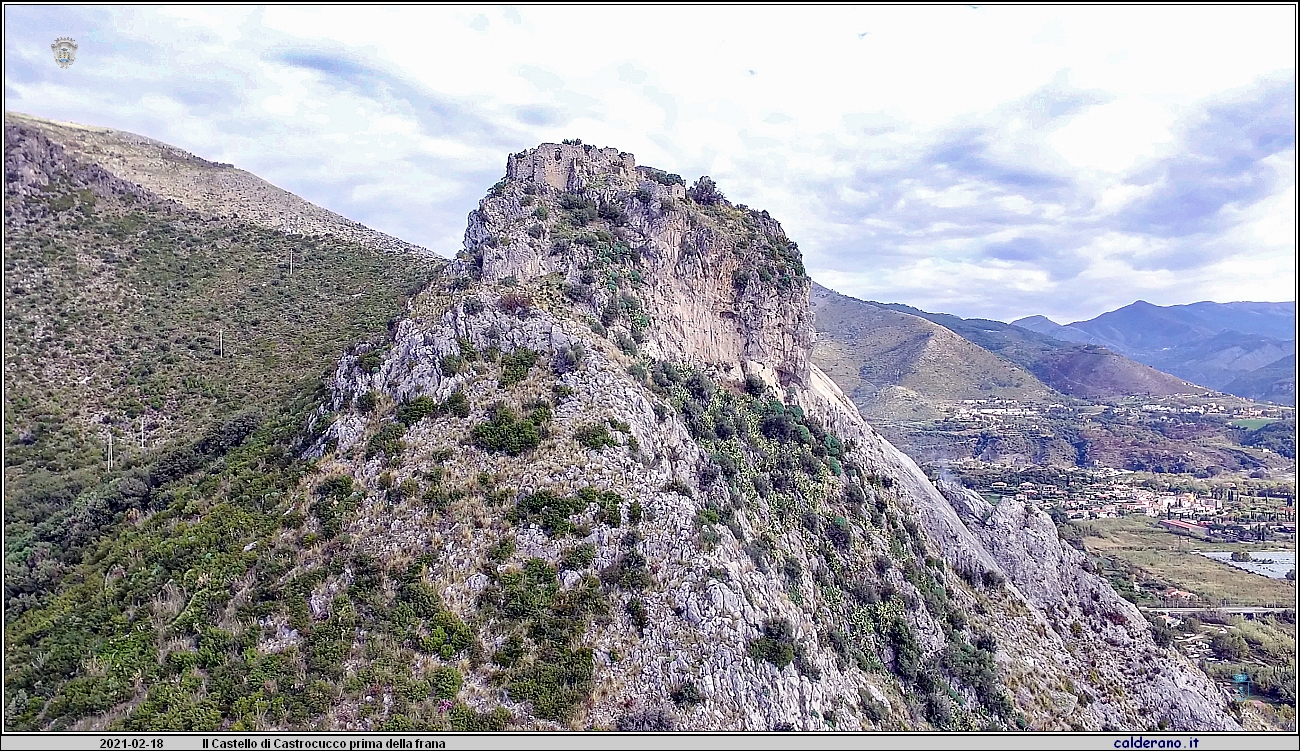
(142, 431)
(110, 451)
(221, 341)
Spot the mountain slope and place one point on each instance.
(210, 189)
(590, 480)
(1080, 370)
(1274, 382)
(126, 312)
(1045, 325)
(894, 364)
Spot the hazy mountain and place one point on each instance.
(1272, 319)
(1207, 343)
(1221, 358)
(588, 479)
(1082, 370)
(1274, 382)
(1142, 327)
(1045, 325)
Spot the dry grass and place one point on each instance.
(1173, 559)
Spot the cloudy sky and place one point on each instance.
(983, 161)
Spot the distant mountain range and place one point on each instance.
(909, 371)
(1242, 348)
(881, 351)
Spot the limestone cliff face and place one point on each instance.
(719, 284)
(1095, 633)
(609, 398)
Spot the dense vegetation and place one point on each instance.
(123, 311)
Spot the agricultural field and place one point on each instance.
(1155, 560)
(1252, 423)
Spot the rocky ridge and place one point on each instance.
(601, 440)
(212, 189)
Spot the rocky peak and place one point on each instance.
(683, 274)
(554, 412)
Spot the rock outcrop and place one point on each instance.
(699, 275)
(609, 396)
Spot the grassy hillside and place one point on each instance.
(1274, 382)
(867, 349)
(122, 308)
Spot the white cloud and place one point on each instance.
(907, 148)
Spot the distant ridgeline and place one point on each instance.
(1241, 348)
(588, 477)
(949, 388)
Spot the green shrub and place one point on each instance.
(1160, 631)
(907, 653)
(515, 366)
(635, 512)
(1229, 646)
(510, 652)
(387, 441)
(415, 410)
(445, 682)
(502, 551)
(367, 401)
(549, 510)
(451, 365)
(686, 694)
(776, 645)
(457, 404)
(629, 572)
(466, 720)
(640, 618)
(568, 358)
(578, 557)
(594, 436)
(468, 352)
(679, 487)
(447, 637)
(505, 433)
(555, 684)
(371, 362)
(334, 503)
(608, 505)
(422, 599)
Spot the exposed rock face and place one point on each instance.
(792, 568)
(699, 272)
(1137, 678)
(30, 160)
(210, 188)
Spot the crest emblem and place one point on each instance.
(65, 51)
